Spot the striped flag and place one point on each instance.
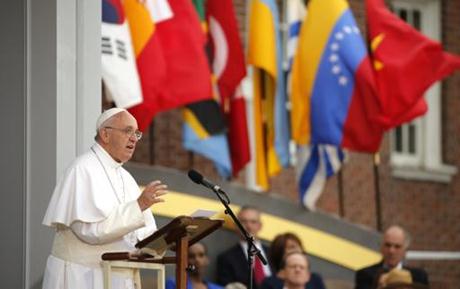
(315, 164)
(296, 12)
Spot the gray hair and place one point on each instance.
(407, 236)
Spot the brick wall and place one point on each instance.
(430, 211)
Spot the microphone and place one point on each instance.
(197, 178)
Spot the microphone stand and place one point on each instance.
(252, 249)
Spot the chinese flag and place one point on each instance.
(406, 64)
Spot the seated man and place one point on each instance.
(198, 260)
(232, 264)
(295, 270)
(393, 248)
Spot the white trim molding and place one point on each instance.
(433, 255)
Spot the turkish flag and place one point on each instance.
(227, 51)
(229, 68)
(406, 64)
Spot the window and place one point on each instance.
(416, 147)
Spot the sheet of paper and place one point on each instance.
(203, 213)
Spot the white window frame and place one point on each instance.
(426, 163)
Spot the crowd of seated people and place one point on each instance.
(289, 267)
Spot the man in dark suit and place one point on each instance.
(232, 264)
(395, 243)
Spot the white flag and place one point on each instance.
(119, 69)
(159, 10)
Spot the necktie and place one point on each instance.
(259, 274)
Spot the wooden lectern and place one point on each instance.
(177, 235)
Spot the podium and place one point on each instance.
(177, 236)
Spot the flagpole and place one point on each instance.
(340, 190)
(378, 205)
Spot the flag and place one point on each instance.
(200, 9)
(238, 135)
(177, 68)
(204, 129)
(118, 62)
(333, 90)
(315, 164)
(228, 63)
(296, 12)
(269, 105)
(229, 68)
(204, 132)
(188, 69)
(147, 50)
(406, 64)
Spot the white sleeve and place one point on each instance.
(123, 219)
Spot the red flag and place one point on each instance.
(229, 68)
(228, 58)
(186, 70)
(406, 64)
(182, 39)
(238, 137)
(148, 50)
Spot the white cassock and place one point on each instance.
(94, 210)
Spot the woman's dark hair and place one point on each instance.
(278, 248)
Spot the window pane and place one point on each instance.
(412, 139)
(398, 143)
(410, 142)
(416, 19)
(403, 14)
(405, 140)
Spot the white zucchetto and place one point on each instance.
(106, 115)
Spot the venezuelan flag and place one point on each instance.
(333, 88)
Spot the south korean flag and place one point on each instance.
(119, 70)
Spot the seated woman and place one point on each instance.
(282, 245)
(198, 259)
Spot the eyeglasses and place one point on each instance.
(129, 132)
(296, 266)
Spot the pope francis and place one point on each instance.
(98, 207)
